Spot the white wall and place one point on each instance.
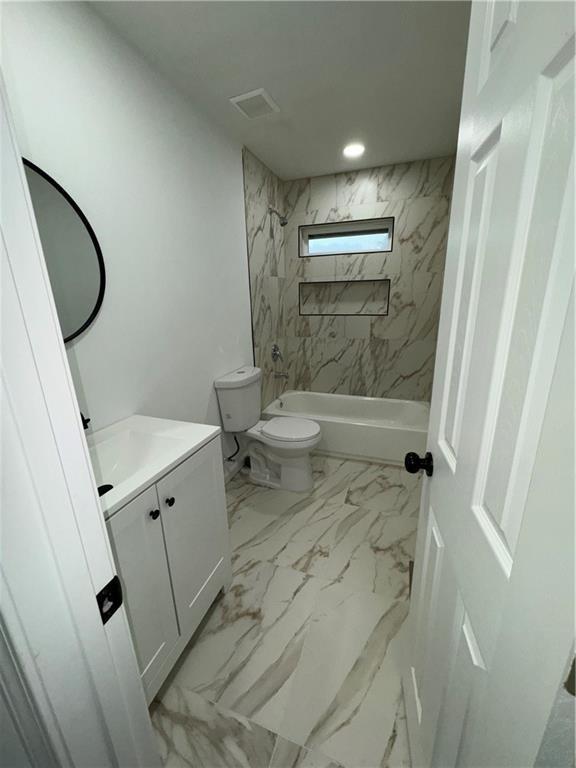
(162, 189)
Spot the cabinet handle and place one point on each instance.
(155, 514)
(171, 501)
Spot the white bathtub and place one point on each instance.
(365, 427)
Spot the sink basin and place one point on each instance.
(135, 452)
(116, 459)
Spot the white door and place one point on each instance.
(138, 545)
(80, 676)
(492, 611)
(193, 505)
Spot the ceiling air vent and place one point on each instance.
(255, 104)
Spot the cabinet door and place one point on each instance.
(193, 507)
(138, 545)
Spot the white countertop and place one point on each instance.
(134, 453)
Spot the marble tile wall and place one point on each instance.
(387, 356)
(265, 243)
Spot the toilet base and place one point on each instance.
(289, 473)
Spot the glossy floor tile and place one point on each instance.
(358, 526)
(347, 690)
(304, 645)
(194, 732)
(289, 755)
(248, 650)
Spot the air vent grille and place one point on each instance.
(255, 104)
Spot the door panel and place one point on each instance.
(138, 545)
(435, 662)
(509, 272)
(432, 569)
(501, 203)
(537, 290)
(452, 743)
(195, 527)
(503, 17)
(481, 191)
(537, 628)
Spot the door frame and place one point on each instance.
(43, 415)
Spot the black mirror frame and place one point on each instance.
(95, 243)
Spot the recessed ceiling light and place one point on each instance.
(353, 150)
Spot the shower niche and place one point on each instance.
(369, 298)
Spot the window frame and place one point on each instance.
(346, 227)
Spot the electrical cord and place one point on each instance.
(237, 451)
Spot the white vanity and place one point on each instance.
(166, 517)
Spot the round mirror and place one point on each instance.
(73, 256)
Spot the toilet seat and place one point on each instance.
(288, 429)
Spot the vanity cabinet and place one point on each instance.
(192, 500)
(172, 551)
(138, 545)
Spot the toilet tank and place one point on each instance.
(239, 398)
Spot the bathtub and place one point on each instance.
(362, 427)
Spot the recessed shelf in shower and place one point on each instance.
(344, 297)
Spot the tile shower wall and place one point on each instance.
(265, 241)
(387, 356)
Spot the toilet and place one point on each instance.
(279, 449)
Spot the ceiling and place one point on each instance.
(388, 74)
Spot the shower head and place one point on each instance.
(283, 219)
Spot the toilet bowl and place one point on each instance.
(279, 452)
(279, 448)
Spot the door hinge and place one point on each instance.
(109, 599)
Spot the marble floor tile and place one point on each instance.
(377, 561)
(367, 547)
(346, 690)
(315, 524)
(289, 755)
(248, 649)
(305, 642)
(194, 733)
(398, 749)
(270, 503)
(385, 487)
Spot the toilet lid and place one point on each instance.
(290, 429)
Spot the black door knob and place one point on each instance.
(155, 514)
(170, 501)
(414, 463)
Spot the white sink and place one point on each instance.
(132, 454)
